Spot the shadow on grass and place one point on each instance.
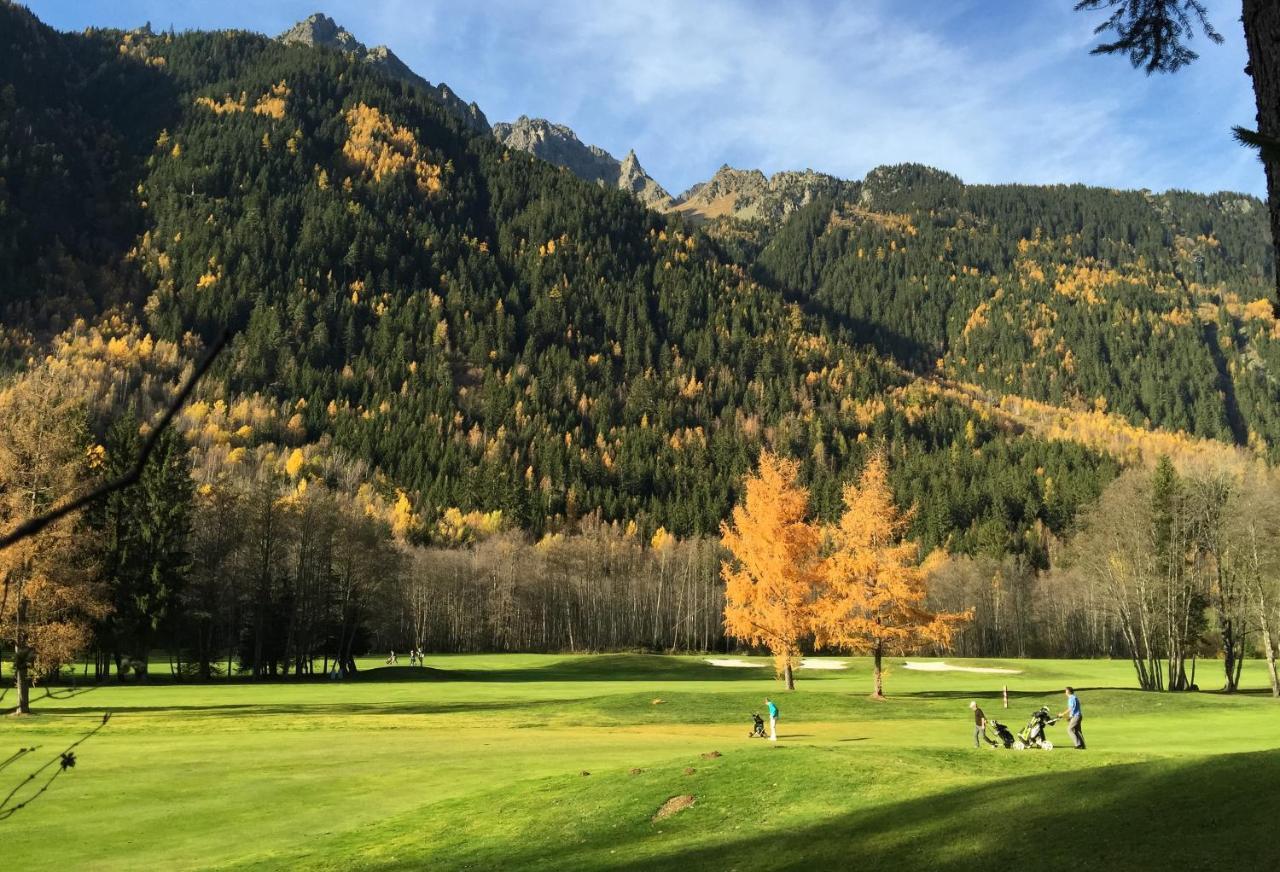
(319, 709)
(1214, 813)
(586, 667)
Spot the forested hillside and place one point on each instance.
(485, 329)
(1155, 307)
(477, 402)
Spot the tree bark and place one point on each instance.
(789, 676)
(1262, 36)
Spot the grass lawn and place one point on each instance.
(482, 762)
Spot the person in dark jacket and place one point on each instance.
(979, 726)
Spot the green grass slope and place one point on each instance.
(480, 762)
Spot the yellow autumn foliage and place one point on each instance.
(382, 149)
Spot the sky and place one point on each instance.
(991, 90)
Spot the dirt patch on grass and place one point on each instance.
(674, 805)
(635, 771)
(711, 755)
(689, 770)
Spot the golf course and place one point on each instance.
(563, 762)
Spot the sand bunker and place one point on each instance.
(942, 666)
(819, 663)
(734, 663)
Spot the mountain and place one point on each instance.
(748, 195)
(559, 145)
(321, 31)
(476, 329)
(456, 323)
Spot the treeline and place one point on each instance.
(1188, 565)
(599, 589)
(1177, 571)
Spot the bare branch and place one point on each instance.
(65, 759)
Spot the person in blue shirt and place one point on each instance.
(1073, 725)
(773, 719)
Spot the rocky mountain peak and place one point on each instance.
(321, 31)
(558, 144)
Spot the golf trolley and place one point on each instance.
(1032, 735)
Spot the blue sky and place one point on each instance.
(993, 90)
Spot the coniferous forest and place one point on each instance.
(472, 402)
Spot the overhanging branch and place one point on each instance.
(31, 527)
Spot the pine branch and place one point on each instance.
(1268, 147)
(31, 527)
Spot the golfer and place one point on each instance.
(1073, 725)
(773, 719)
(979, 726)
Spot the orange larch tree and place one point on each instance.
(770, 582)
(872, 590)
(49, 596)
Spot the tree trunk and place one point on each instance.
(22, 657)
(878, 672)
(1269, 646)
(1262, 35)
(788, 676)
(1271, 661)
(1230, 654)
(23, 682)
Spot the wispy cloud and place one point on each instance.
(994, 90)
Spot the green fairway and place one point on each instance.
(482, 762)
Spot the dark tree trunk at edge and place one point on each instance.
(1262, 35)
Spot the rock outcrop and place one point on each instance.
(559, 145)
(321, 31)
(750, 195)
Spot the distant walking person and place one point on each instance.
(979, 726)
(1073, 725)
(773, 719)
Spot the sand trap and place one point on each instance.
(819, 663)
(734, 663)
(942, 666)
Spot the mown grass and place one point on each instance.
(478, 762)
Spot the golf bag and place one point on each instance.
(1003, 734)
(757, 728)
(1032, 735)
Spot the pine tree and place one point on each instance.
(145, 531)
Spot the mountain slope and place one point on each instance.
(1153, 306)
(492, 332)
